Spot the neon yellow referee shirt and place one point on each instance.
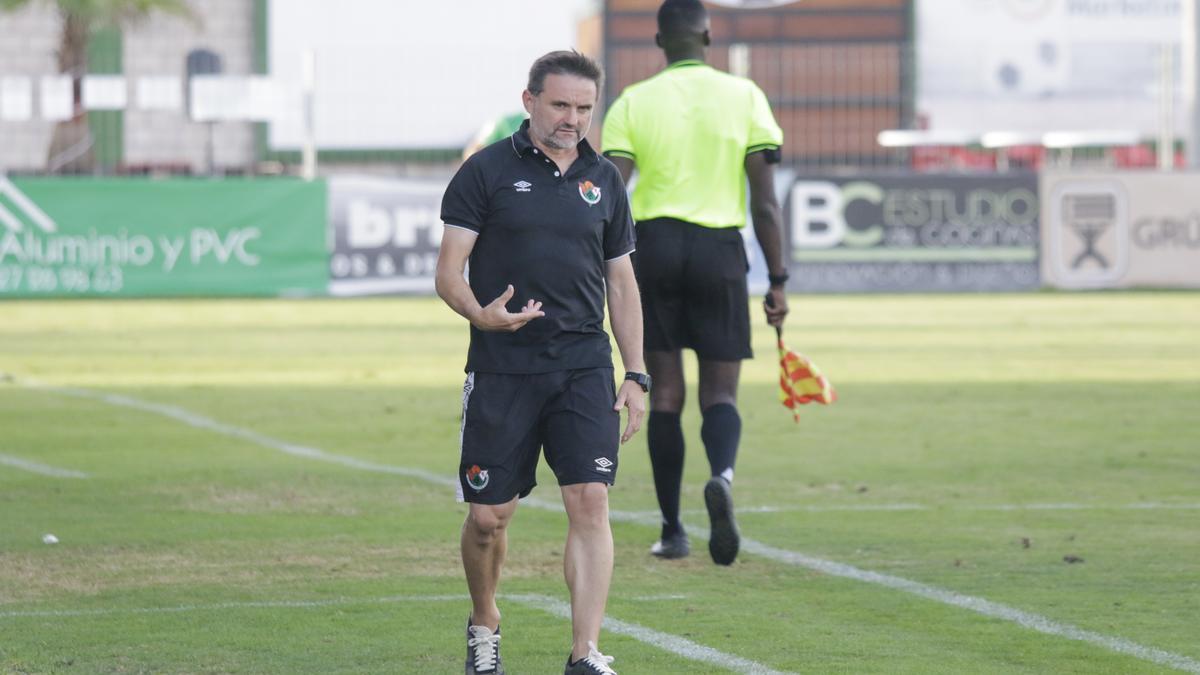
(689, 129)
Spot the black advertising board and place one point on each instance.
(384, 235)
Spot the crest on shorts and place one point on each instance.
(589, 192)
(477, 478)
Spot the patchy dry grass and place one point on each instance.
(30, 577)
(270, 498)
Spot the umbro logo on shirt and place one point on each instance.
(523, 185)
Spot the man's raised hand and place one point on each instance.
(495, 317)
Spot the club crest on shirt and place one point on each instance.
(477, 478)
(589, 192)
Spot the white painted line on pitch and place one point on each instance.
(200, 422)
(979, 605)
(1135, 506)
(219, 606)
(813, 508)
(44, 469)
(985, 607)
(658, 598)
(271, 604)
(665, 641)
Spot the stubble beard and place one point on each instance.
(554, 141)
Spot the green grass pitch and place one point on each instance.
(978, 441)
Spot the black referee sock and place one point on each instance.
(665, 437)
(721, 431)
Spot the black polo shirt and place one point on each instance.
(549, 236)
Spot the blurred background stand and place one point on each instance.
(202, 62)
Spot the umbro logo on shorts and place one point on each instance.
(603, 464)
(523, 186)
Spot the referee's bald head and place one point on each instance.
(682, 18)
(682, 29)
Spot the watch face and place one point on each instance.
(642, 379)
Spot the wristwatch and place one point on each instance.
(778, 280)
(642, 379)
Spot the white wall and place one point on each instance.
(408, 74)
(28, 45)
(390, 73)
(159, 46)
(29, 40)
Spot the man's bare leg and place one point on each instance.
(588, 561)
(484, 543)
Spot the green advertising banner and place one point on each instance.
(145, 237)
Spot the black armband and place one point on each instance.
(770, 153)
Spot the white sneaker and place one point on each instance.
(483, 651)
(594, 663)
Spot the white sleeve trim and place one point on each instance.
(622, 255)
(461, 227)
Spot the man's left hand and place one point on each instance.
(631, 396)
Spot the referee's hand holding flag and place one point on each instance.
(800, 381)
(775, 305)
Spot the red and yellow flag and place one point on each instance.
(800, 381)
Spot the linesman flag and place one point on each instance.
(800, 380)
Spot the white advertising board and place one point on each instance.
(1120, 230)
(1045, 65)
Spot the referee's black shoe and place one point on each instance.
(724, 540)
(672, 547)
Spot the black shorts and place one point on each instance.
(507, 419)
(693, 285)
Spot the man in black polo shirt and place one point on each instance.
(542, 218)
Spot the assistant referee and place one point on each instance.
(695, 134)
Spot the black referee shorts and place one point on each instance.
(508, 419)
(693, 285)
